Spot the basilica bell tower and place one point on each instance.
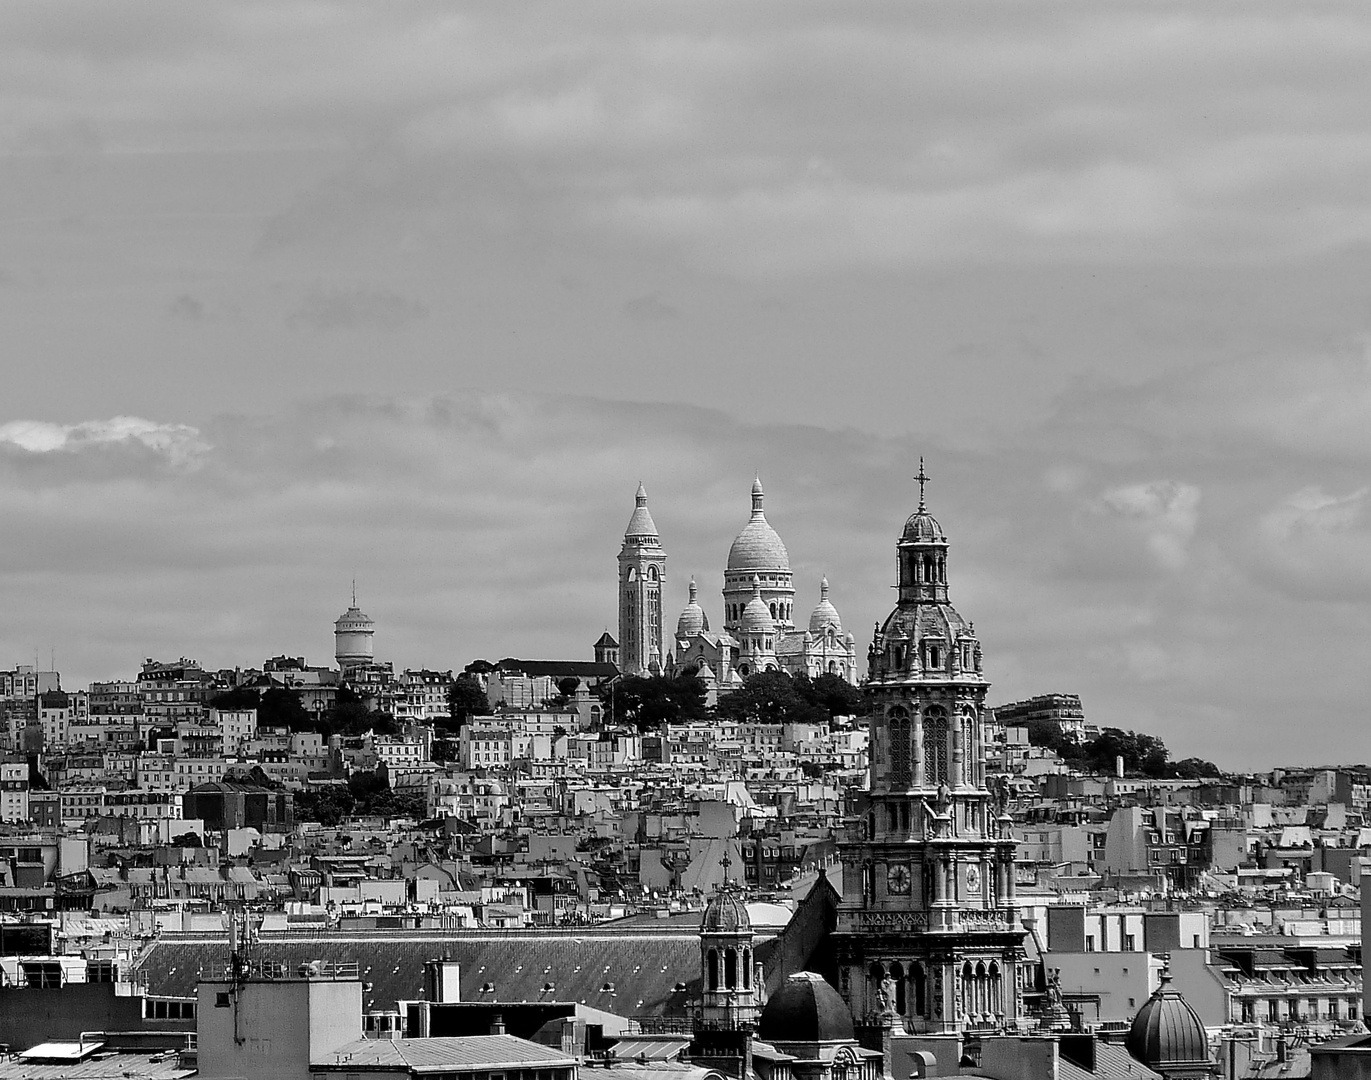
(927, 936)
(642, 573)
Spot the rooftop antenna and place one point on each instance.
(923, 478)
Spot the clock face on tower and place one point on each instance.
(973, 877)
(897, 879)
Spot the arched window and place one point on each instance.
(731, 969)
(901, 736)
(632, 574)
(747, 969)
(651, 573)
(935, 746)
(969, 746)
(713, 965)
(917, 977)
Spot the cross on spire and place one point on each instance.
(726, 862)
(923, 478)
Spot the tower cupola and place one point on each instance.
(922, 554)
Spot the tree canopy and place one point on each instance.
(240, 697)
(651, 701)
(466, 699)
(1142, 754)
(773, 697)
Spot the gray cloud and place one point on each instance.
(357, 307)
(650, 308)
(187, 307)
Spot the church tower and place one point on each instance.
(731, 991)
(927, 928)
(642, 570)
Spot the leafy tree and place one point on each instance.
(832, 693)
(240, 697)
(1193, 768)
(648, 702)
(770, 697)
(1142, 754)
(280, 707)
(328, 806)
(444, 750)
(1048, 734)
(466, 699)
(347, 715)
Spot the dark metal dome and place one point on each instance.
(1167, 1031)
(806, 1009)
(725, 914)
(922, 527)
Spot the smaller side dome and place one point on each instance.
(725, 914)
(1167, 1031)
(806, 1010)
(756, 616)
(693, 619)
(825, 614)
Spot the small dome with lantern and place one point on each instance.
(756, 617)
(693, 619)
(1168, 1034)
(825, 615)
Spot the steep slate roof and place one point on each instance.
(643, 966)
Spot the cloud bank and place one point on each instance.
(1205, 588)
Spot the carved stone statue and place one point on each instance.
(886, 996)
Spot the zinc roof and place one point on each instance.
(641, 966)
(424, 1055)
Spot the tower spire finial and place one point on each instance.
(354, 592)
(923, 478)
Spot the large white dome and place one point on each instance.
(758, 547)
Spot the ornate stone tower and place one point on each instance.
(927, 926)
(642, 570)
(730, 991)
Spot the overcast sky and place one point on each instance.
(297, 292)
